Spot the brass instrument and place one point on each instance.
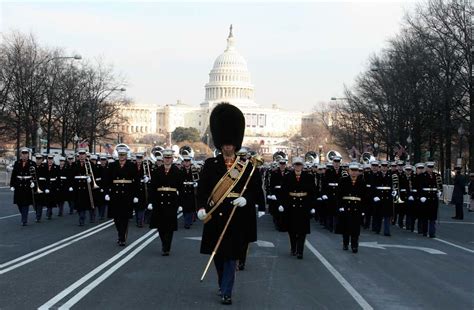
(277, 156)
(147, 172)
(90, 174)
(35, 180)
(331, 154)
(311, 157)
(396, 188)
(439, 183)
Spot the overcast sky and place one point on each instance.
(298, 54)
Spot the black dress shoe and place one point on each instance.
(432, 236)
(226, 300)
(345, 247)
(165, 253)
(122, 243)
(241, 266)
(387, 235)
(299, 256)
(355, 250)
(24, 224)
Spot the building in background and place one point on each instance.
(229, 81)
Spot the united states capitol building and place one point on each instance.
(229, 81)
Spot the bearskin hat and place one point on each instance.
(227, 124)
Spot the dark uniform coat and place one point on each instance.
(242, 228)
(459, 189)
(48, 179)
(298, 196)
(382, 188)
(81, 193)
(166, 202)
(21, 179)
(428, 188)
(141, 194)
(188, 197)
(330, 184)
(352, 199)
(122, 184)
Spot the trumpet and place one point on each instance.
(90, 173)
(146, 168)
(35, 180)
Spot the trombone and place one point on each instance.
(35, 180)
(90, 173)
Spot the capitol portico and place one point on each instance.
(229, 81)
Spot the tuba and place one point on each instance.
(156, 149)
(279, 155)
(331, 154)
(366, 157)
(310, 157)
(186, 150)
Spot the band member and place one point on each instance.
(227, 187)
(351, 194)
(101, 180)
(63, 185)
(69, 170)
(48, 182)
(383, 200)
(82, 189)
(417, 206)
(331, 179)
(410, 198)
(122, 188)
(370, 178)
(298, 190)
(165, 186)
(430, 190)
(274, 192)
(22, 184)
(39, 193)
(319, 181)
(142, 190)
(188, 196)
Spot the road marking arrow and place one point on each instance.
(376, 245)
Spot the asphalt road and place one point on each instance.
(57, 264)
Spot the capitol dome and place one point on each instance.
(229, 79)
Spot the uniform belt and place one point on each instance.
(42, 179)
(277, 186)
(98, 179)
(122, 181)
(298, 194)
(403, 190)
(63, 178)
(79, 177)
(166, 189)
(333, 184)
(26, 177)
(233, 195)
(368, 185)
(52, 179)
(351, 198)
(188, 183)
(384, 187)
(414, 190)
(426, 189)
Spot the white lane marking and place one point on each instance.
(71, 302)
(53, 245)
(349, 288)
(450, 222)
(377, 245)
(88, 276)
(29, 260)
(454, 245)
(8, 216)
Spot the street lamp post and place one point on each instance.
(461, 134)
(409, 141)
(376, 150)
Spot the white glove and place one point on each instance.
(46, 191)
(261, 213)
(71, 189)
(32, 185)
(363, 214)
(411, 198)
(423, 199)
(324, 197)
(440, 194)
(12, 189)
(135, 200)
(202, 214)
(101, 190)
(341, 209)
(150, 207)
(239, 202)
(146, 179)
(89, 180)
(272, 197)
(180, 209)
(281, 209)
(107, 198)
(319, 199)
(376, 199)
(394, 193)
(312, 211)
(195, 184)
